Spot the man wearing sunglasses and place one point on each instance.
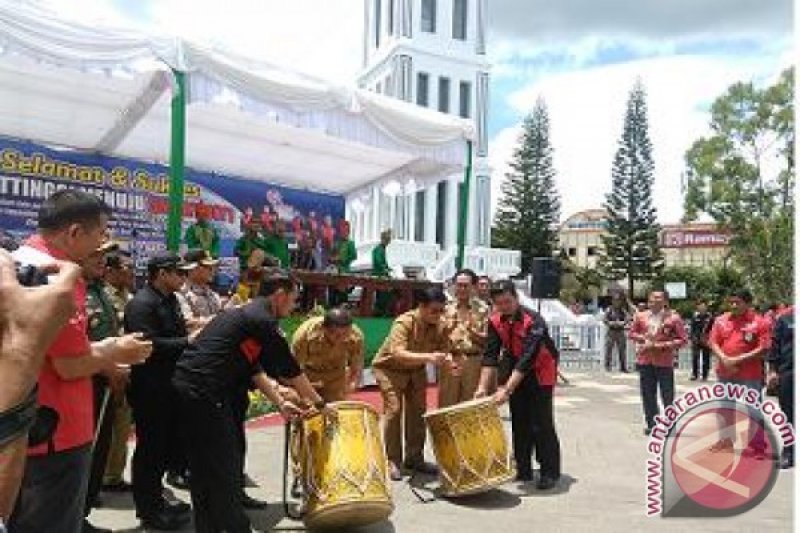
(155, 312)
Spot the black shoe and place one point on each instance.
(422, 468)
(248, 482)
(251, 503)
(625, 371)
(693, 378)
(164, 521)
(524, 476)
(177, 508)
(179, 481)
(647, 431)
(89, 528)
(546, 483)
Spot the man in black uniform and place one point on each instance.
(781, 369)
(155, 312)
(700, 327)
(240, 345)
(524, 359)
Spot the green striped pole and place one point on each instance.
(463, 210)
(177, 162)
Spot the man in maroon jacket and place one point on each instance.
(521, 354)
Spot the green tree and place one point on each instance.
(742, 176)
(630, 247)
(529, 209)
(711, 284)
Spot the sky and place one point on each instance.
(581, 56)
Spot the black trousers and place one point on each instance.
(533, 426)
(212, 435)
(700, 352)
(786, 401)
(155, 414)
(103, 443)
(53, 493)
(240, 403)
(652, 379)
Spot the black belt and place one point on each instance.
(18, 420)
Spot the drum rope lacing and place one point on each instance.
(372, 473)
(457, 430)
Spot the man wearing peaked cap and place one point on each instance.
(155, 312)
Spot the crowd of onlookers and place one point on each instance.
(750, 348)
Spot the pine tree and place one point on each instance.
(528, 212)
(631, 247)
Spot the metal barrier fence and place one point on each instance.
(583, 347)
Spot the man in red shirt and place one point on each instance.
(739, 340)
(29, 321)
(71, 225)
(658, 333)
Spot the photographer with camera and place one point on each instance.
(71, 226)
(30, 318)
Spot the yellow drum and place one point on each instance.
(470, 447)
(344, 468)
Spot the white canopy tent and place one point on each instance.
(110, 91)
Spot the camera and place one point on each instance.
(30, 276)
(27, 275)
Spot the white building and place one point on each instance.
(432, 53)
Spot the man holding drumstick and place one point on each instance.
(238, 345)
(417, 338)
(521, 351)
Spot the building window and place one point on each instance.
(464, 99)
(419, 217)
(422, 89)
(377, 5)
(444, 94)
(441, 207)
(572, 252)
(591, 251)
(460, 19)
(390, 17)
(429, 16)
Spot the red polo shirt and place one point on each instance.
(72, 399)
(737, 335)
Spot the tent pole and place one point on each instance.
(463, 210)
(177, 161)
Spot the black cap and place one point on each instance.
(166, 261)
(118, 259)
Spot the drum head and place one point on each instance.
(349, 514)
(459, 407)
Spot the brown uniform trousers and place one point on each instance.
(403, 385)
(122, 425)
(463, 324)
(326, 363)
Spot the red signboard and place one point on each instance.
(694, 239)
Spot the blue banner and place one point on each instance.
(138, 194)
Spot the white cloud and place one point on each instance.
(586, 112)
